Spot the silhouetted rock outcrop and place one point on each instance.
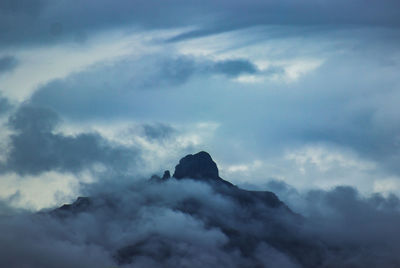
(200, 167)
(197, 166)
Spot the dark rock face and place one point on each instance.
(197, 166)
(200, 167)
(166, 175)
(81, 204)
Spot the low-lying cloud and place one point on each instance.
(186, 223)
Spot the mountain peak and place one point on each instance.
(197, 166)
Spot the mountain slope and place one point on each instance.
(248, 220)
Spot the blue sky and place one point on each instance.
(306, 94)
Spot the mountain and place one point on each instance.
(198, 167)
(247, 219)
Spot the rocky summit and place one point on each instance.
(197, 166)
(200, 167)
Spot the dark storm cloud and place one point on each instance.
(7, 63)
(44, 21)
(35, 148)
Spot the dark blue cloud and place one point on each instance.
(43, 21)
(7, 63)
(34, 148)
(5, 105)
(158, 131)
(234, 67)
(97, 92)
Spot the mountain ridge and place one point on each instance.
(259, 206)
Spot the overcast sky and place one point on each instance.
(305, 93)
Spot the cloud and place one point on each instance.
(316, 107)
(158, 131)
(319, 16)
(5, 105)
(35, 192)
(7, 63)
(43, 21)
(140, 223)
(303, 112)
(35, 148)
(40, 150)
(107, 96)
(368, 127)
(361, 230)
(234, 67)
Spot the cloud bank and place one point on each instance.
(35, 148)
(141, 223)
